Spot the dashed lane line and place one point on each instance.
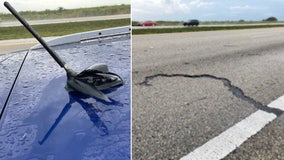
(229, 140)
(278, 103)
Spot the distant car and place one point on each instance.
(147, 23)
(193, 22)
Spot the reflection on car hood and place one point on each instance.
(43, 121)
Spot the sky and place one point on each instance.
(206, 10)
(40, 5)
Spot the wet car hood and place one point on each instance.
(41, 120)
(9, 67)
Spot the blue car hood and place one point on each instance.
(9, 68)
(41, 120)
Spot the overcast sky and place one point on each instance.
(37, 5)
(207, 9)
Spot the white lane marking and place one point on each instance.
(229, 140)
(278, 103)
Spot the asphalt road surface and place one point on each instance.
(208, 25)
(7, 46)
(65, 20)
(189, 88)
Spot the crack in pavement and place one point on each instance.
(236, 91)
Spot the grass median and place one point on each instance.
(60, 29)
(69, 13)
(196, 29)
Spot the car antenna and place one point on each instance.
(90, 81)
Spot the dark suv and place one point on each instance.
(193, 22)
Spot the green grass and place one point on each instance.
(69, 13)
(60, 29)
(196, 29)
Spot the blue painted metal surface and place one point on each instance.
(43, 121)
(9, 67)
